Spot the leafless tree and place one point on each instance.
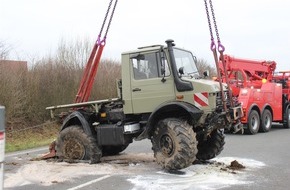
(4, 50)
(203, 65)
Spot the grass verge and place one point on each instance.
(31, 138)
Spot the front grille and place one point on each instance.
(219, 102)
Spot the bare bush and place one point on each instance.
(53, 80)
(4, 50)
(105, 82)
(203, 66)
(13, 93)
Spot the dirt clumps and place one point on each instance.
(235, 165)
(232, 167)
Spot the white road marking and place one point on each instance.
(90, 182)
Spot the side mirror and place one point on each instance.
(181, 70)
(206, 74)
(195, 59)
(162, 70)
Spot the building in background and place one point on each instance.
(13, 66)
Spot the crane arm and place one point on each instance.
(92, 65)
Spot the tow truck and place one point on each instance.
(263, 94)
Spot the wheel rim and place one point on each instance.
(73, 149)
(267, 122)
(166, 144)
(254, 123)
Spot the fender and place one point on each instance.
(250, 109)
(171, 109)
(266, 106)
(76, 118)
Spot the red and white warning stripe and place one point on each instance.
(200, 99)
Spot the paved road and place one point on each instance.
(265, 155)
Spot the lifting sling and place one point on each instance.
(91, 68)
(220, 49)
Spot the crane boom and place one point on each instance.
(91, 68)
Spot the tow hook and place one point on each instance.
(238, 127)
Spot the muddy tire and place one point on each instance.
(74, 144)
(212, 146)
(174, 144)
(113, 150)
(286, 124)
(266, 121)
(253, 123)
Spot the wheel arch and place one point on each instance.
(171, 109)
(77, 118)
(267, 107)
(254, 107)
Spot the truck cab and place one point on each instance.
(156, 75)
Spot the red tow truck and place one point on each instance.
(264, 95)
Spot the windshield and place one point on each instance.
(186, 60)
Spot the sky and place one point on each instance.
(251, 29)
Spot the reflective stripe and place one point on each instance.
(201, 99)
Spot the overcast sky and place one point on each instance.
(254, 29)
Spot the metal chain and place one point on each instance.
(112, 14)
(105, 19)
(208, 20)
(213, 47)
(221, 48)
(214, 20)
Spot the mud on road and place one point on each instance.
(139, 169)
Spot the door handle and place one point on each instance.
(136, 89)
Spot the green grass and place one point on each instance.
(31, 138)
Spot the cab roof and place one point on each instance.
(144, 48)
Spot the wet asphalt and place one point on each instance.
(270, 148)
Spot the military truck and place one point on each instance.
(161, 97)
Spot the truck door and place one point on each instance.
(150, 87)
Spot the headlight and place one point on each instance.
(244, 92)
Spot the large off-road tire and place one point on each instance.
(266, 121)
(174, 144)
(253, 123)
(286, 124)
(74, 144)
(113, 150)
(212, 146)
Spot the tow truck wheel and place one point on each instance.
(266, 122)
(287, 123)
(212, 146)
(174, 144)
(253, 123)
(74, 144)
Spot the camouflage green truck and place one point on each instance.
(161, 97)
